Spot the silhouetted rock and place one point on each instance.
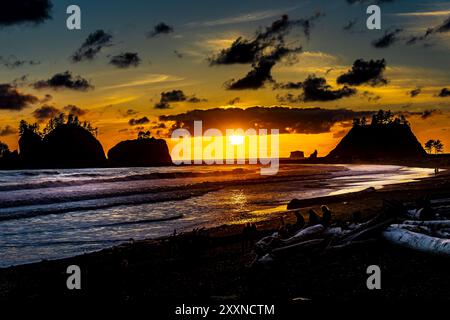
(140, 152)
(72, 146)
(31, 149)
(313, 155)
(297, 155)
(377, 142)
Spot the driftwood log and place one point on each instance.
(417, 241)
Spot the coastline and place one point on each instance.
(165, 268)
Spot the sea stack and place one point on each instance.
(140, 153)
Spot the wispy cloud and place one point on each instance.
(155, 78)
(247, 17)
(424, 13)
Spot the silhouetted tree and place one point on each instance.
(429, 146)
(438, 146)
(435, 145)
(4, 150)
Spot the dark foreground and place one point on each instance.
(215, 267)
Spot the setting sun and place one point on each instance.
(236, 140)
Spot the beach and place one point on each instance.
(218, 268)
(53, 214)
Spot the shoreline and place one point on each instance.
(161, 263)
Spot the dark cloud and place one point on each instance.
(74, 110)
(160, 28)
(45, 112)
(127, 113)
(47, 98)
(178, 54)
(262, 70)
(444, 93)
(430, 113)
(7, 131)
(349, 25)
(287, 120)
(12, 62)
(264, 51)
(415, 92)
(136, 122)
(64, 80)
(175, 96)
(125, 60)
(246, 51)
(234, 101)
(441, 28)
(94, 43)
(317, 89)
(370, 72)
(370, 96)
(388, 39)
(24, 11)
(255, 79)
(288, 85)
(11, 99)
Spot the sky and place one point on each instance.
(147, 65)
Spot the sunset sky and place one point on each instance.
(136, 61)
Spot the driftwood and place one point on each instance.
(432, 223)
(299, 247)
(305, 234)
(417, 241)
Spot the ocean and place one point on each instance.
(51, 214)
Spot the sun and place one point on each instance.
(236, 140)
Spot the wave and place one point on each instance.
(132, 177)
(21, 212)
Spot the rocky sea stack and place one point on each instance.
(384, 139)
(140, 152)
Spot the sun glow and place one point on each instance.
(236, 140)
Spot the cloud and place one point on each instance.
(263, 51)
(362, 72)
(7, 131)
(415, 92)
(160, 28)
(388, 39)
(94, 43)
(317, 89)
(45, 112)
(11, 99)
(175, 96)
(288, 85)
(136, 122)
(64, 80)
(178, 54)
(262, 70)
(12, 62)
(287, 120)
(128, 113)
(244, 18)
(24, 11)
(246, 51)
(370, 96)
(444, 27)
(125, 60)
(444, 93)
(349, 25)
(74, 110)
(234, 101)
(430, 113)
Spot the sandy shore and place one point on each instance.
(216, 269)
